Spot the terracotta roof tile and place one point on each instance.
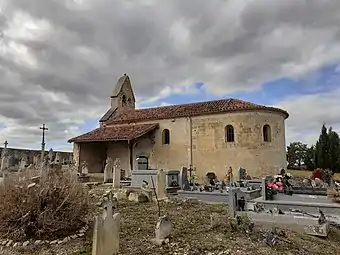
(113, 133)
(188, 110)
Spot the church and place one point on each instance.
(208, 136)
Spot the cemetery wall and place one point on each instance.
(18, 154)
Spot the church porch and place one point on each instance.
(131, 143)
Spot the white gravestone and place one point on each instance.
(106, 232)
(163, 229)
(57, 159)
(84, 169)
(160, 188)
(116, 174)
(108, 170)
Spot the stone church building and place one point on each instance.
(209, 136)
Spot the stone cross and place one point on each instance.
(160, 188)
(106, 232)
(5, 149)
(116, 174)
(43, 128)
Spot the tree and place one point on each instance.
(309, 158)
(297, 153)
(327, 150)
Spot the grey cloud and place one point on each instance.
(90, 46)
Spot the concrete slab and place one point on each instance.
(299, 223)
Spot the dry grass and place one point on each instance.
(192, 235)
(307, 174)
(55, 206)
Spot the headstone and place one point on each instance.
(5, 162)
(51, 156)
(84, 169)
(106, 232)
(57, 159)
(242, 173)
(183, 177)
(233, 201)
(186, 185)
(108, 170)
(160, 188)
(163, 229)
(23, 163)
(116, 174)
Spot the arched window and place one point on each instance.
(229, 134)
(166, 136)
(123, 100)
(267, 133)
(142, 163)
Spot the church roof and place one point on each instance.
(115, 133)
(187, 110)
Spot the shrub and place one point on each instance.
(49, 208)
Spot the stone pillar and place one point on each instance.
(183, 177)
(263, 189)
(116, 174)
(160, 188)
(233, 201)
(76, 155)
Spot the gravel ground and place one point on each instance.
(192, 235)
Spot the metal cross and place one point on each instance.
(43, 133)
(6, 143)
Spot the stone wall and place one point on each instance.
(17, 154)
(209, 152)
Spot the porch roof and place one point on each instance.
(115, 133)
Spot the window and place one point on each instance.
(229, 134)
(166, 136)
(123, 100)
(142, 163)
(129, 102)
(266, 133)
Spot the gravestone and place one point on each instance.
(242, 173)
(160, 188)
(106, 232)
(23, 163)
(50, 156)
(57, 159)
(5, 162)
(186, 185)
(116, 174)
(183, 177)
(163, 229)
(108, 170)
(233, 201)
(84, 169)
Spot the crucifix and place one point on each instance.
(43, 128)
(6, 143)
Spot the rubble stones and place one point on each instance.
(11, 243)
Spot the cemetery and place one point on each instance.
(161, 211)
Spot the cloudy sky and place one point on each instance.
(60, 59)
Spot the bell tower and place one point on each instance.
(122, 96)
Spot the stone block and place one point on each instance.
(138, 197)
(317, 230)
